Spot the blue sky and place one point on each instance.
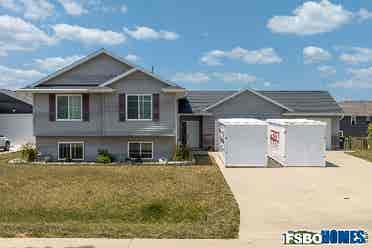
(272, 45)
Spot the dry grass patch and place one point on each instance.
(115, 202)
(364, 154)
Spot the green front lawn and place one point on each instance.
(115, 202)
(364, 154)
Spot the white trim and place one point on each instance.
(355, 120)
(71, 142)
(142, 142)
(313, 114)
(139, 109)
(341, 133)
(253, 92)
(68, 107)
(123, 75)
(75, 90)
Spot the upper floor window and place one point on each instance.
(353, 120)
(139, 107)
(69, 107)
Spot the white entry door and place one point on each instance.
(192, 134)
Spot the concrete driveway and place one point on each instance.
(272, 201)
(275, 200)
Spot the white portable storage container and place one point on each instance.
(297, 142)
(242, 142)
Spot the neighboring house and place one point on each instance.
(16, 117)
(104, 102)
(199, 110)
(358, 114)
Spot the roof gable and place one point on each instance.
(84, 71)
(320, 102)
(251, 91)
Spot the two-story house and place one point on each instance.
(104, 102)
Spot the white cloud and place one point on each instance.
(360, 78)
(327, 70)
(146, 33)
(132, 58)
(260, 56)
(195, 77)
(315, 55)
(55, 63)
(124, 8)
(311, 18)
(236, 77)
(203, 77)
(19, 35)
(10, 4)
(72, 7)
(363, 14)
(88, 35)
(37, 9)
(358, 55)
(12, 78)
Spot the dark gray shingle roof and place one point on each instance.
(361, 108)
(298, 101)
(305, 101)
(10, 103)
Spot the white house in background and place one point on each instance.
(16, 120)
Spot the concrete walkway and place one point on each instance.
(272, 201)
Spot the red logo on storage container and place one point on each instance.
(274, 137)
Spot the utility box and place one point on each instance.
(242, 142)
(297, 142)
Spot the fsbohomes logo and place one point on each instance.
(323, 237)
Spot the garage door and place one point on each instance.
(328, 130)
(17, 127)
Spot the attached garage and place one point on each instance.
(16, 121)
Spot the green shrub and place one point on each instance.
(104, 159)
(181, 153)
(29, 152)
(369, 139)
(104, 156)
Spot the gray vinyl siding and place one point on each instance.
(118, 146)
(104, 120)
(246, 105)
(95, 71)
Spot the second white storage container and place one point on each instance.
(297, 142)
(242, 142)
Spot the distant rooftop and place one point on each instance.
(361, 108)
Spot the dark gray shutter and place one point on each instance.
(85, 107)
(52, 107)
(122, 107)
(155, 107)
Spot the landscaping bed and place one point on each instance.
(115, 201)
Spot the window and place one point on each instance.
(353, 120)
(139, 107)
(340, 133)
(71, 150)
(140, 150)
(68, 107)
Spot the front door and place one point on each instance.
(192, 134)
